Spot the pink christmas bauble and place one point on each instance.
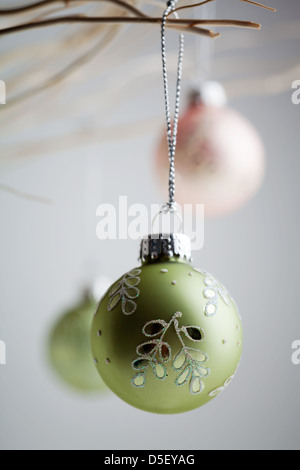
(219, 159)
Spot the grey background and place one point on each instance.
(49, 252)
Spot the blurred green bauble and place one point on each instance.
(167, 337)
(69, 348)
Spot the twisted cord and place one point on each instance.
(171, 133)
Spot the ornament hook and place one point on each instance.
(168, 209)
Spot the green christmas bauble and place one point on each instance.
(69, 348)
(167, 337)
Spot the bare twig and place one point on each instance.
(23, 9)
(259, 5)
(140, 17)
(118, 20)
(23, 195)
(45, 3)
(185, 7)
(69, 69)
(70, 3)
(43, 19)
(42, 15)
(65, 72)
(269, 85)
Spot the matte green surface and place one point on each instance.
(69, 348)
(115, 337)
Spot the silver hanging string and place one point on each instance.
(171, 134)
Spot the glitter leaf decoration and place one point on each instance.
(126, 291)
(156, 352)
(154, 328)
(189, 362)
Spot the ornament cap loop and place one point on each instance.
(163, 245)
(171, 210)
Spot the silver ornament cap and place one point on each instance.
(165, 245)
